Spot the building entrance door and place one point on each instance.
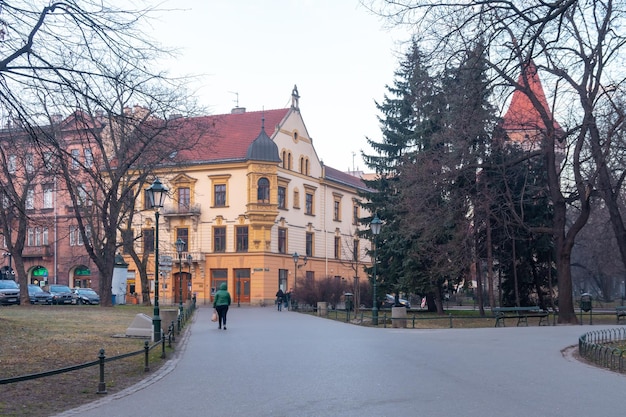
(242, 286)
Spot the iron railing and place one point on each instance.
(605, 348)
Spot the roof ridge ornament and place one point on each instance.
(295, 98)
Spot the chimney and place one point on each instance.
(238, 110)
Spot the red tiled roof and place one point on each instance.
(228, 136)
(521, 114)
(335, 175)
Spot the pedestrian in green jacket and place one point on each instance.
(221, 301)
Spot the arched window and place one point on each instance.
(263, 190)
(285, 159)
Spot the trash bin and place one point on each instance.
(113, 299)
(585, 302)
(349, 301)
(586, 307)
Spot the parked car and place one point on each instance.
(86, 296)
(390, 301)
(9, 292)
(61, 294)
(38, 296)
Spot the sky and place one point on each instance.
(251, 53)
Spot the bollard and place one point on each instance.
(102, 386)
(146, 348)
(162, 348)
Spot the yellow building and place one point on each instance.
(246, 198)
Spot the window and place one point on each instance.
(337, 247)
(219, 239)
(356, 250)
(308, 208)
(47, 197)
(12, 165)
(146, 201)
(282, 279)
(337, 210)
(30, 200)
(47, 160)
(76, 239)
(75, 158)
(309, 244)
(242, 238)
(263, 191)
(184, 199)
(127, 240)
(30, 164)
(282, 240)
(310, 276)
(88, 158)
(183, 234)
(219, 195)
(289, 161)
(37, 236)
(83, 196)
(284, 159)
(355, 214)
(282, 198)
(148, 240)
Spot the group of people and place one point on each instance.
(283, 299)
(222, 300)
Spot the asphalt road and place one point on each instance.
(271, 363)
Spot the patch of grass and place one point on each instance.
(42, 338)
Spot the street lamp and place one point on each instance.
(375, 226)
(156, 194)
(296, 258)
(189, 264)
(180, 246)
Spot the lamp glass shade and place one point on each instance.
(156, 193)
(375, 225)
(180, 245)
(295, 257)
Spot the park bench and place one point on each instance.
(620, 312)
(521, 314)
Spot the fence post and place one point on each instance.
(102, 386)
(450, 315)
(146, 348)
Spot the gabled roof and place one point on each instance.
(521, 114)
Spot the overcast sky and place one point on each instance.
(337, 53)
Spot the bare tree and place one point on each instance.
(93, 60)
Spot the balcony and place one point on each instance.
(181, 210)
(36, 251)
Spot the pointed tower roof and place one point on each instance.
(521, 115)
(263, 148)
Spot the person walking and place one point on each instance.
(221, 301)
(279, 299)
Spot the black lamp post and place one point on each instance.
(296, 258)
(189, 263)
(180, 246)
(156, 194)
(375, 226)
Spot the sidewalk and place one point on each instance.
(271, 363)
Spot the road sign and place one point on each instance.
(165, 260)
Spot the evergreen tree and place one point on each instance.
(405, 125)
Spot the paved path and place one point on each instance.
(274, 364)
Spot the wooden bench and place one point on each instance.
(620, 313)
(521, 314)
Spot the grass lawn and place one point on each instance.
(42, 338)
